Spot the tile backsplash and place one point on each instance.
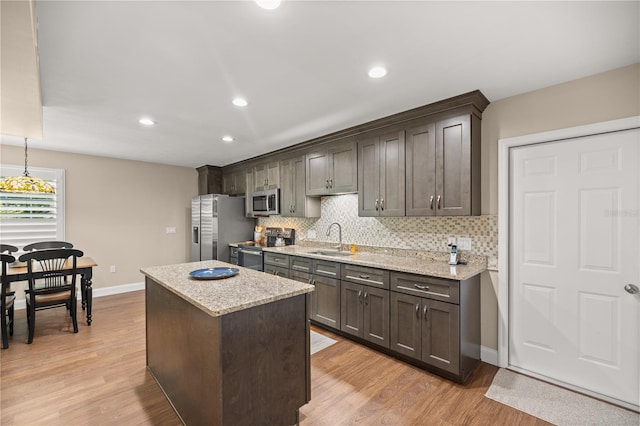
(417, 233)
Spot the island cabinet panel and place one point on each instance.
(246, 367)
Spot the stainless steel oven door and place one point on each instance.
(250, 257)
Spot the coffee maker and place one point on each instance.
(277, 237)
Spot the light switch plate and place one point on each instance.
(170, 229)
(464, 243)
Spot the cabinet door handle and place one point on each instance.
(310, 281)
(330, 183)
(438, 202)
(314, 281)
(326, 184)
(382, 204)
(275, 273)
(376, 204)
(360, 296)
(418, 310)
(424, 313)
(431, 202)
(421, 287)
(366, 298)
(364, 276)
(293, 207)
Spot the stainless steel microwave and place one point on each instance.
(266, 202)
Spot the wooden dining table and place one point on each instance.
(84, 266)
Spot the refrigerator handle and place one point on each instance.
(195, 236)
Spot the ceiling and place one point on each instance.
(302, 67)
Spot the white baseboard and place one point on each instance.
(98, 292)
(489, 355)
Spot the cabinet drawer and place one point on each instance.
(277, 270)
(428, 287)
(303, 277)
(302, 264)
(326, 269)
(363, 275)
(276, 259)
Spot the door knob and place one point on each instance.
(631, 288)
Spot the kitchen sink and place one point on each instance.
(332, 253)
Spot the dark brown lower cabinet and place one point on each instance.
(276, 270)
(427, 330)
(365, 312)
(431, 322)
(325, 302)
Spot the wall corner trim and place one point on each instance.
(489, 355)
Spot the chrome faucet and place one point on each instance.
(339, 246)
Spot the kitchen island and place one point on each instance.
(231, 351)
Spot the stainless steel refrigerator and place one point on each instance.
(216, 221)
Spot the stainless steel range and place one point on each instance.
(251, 256)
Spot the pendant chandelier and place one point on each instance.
(26, 183)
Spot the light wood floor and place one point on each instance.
(98, 377)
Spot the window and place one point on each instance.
(27, 218)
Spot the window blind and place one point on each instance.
(27, 218)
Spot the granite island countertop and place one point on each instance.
(223, 296)
(415, 262)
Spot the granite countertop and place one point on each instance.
(219, 297)
(415, 262)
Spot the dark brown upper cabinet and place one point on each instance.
(381, 175)
(234, 183)
(293, 199)
(443, 167)
(333, 169)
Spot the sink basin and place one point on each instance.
(332, 253)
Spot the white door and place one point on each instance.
(574, 244)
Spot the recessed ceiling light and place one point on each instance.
(377, 72)
(227, 138)
(268, 4)
(241, 102)
(146, 121)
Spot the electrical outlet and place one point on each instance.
(464, 243)
(311, 234)
(451, 240)
(112, 268)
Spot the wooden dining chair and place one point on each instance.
(6, 301)
(8, 248)
(48, 283)
(44, 245)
